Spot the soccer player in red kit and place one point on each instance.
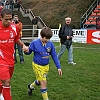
(8, 37)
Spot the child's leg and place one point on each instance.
(31, 86)
(44, 90)
(35, 83)
(44, 94)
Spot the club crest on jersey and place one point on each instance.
(48, 49)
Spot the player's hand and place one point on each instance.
(25, 48)
(60, 72)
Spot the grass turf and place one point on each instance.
(79, 82)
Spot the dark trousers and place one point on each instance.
(20, 52)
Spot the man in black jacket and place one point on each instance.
(66, 35)
(35, 22)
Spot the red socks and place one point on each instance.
(6, 93)
(0, 87)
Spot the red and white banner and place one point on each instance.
(93, 36)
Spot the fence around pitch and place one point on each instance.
(91, 36)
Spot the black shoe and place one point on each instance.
(30, 90)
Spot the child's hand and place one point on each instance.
(60, 72)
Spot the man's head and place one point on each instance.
(15, 19)
(68, 20)
(46, 34)
(6, 17)
(34, 16)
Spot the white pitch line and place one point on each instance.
(79, 47)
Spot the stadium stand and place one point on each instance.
(90, 17)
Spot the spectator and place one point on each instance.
(66, 35)
(42, 49)
(34, 22)
(20, 52)
(9, 34)
(3, 2)
(12, 4)
(18, 4)
(7, 5)
(15, 4)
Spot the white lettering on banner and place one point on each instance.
(80, 35)
(96, 36)
(55, 37)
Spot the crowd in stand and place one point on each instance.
(10, 4)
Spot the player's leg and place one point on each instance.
(43, 89)
(6, 75)
(0, 87)
(43, 71)
(31, 86)
(41, 74)
(1, 96)
(6, 91)
(35, 83)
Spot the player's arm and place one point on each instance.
(31, 49)
(25, 48)
(55, 59)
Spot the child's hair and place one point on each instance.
(46, 32)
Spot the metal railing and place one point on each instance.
(29, 13)
(87, 13)
(26, 38)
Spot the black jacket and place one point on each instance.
(35, 21)
(64, 32)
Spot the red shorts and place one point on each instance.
(6, 72)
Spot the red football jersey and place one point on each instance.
(8, 37)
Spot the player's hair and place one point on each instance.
(5, 11)
(46, 32)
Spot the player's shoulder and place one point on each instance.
(36, 41)
(50, 43)
(33, 41)
(12, 25)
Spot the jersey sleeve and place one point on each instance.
(31, 48)
(54, 57)
(17, 37)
